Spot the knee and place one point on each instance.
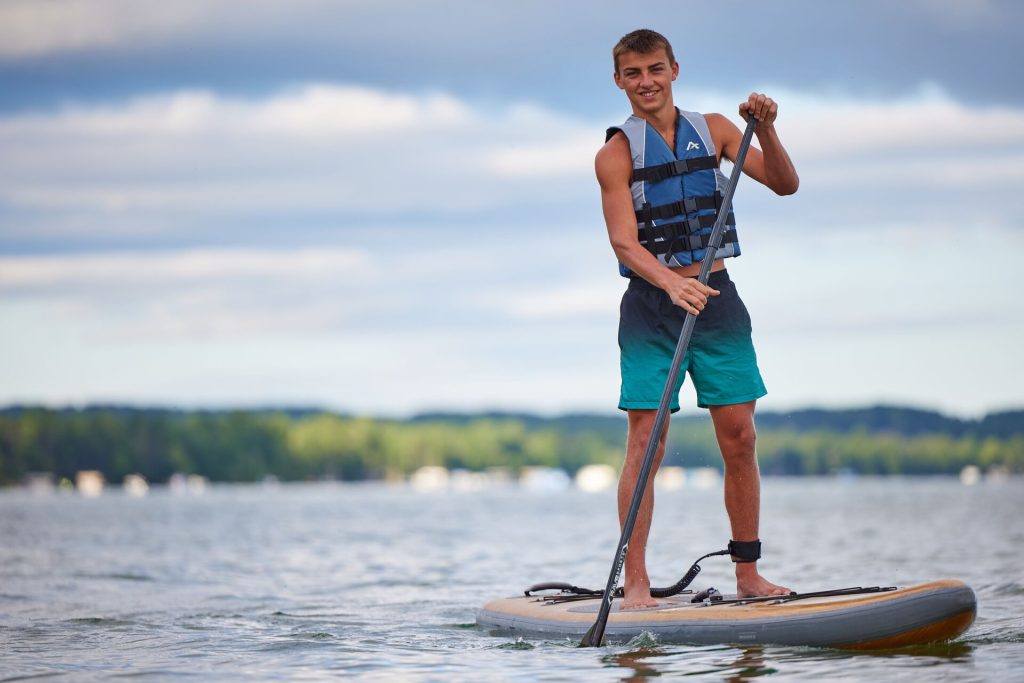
(739, 441)
(641, 422)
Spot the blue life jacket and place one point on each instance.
(676, 194)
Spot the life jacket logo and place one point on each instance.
(692, 145)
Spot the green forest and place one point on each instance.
(296, 445)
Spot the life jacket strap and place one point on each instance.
(653, 174)
(745, 551)
(647, 213)
(676, 237)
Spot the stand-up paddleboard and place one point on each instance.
(848, 618)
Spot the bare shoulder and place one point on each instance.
(723, 131)
(715, 119)
(613, 162)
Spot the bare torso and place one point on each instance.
(693, 270)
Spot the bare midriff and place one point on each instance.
(693, 270)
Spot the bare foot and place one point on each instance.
(750, 584)
(637, 597)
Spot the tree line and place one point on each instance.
(309, 444)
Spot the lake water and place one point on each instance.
(322, 581)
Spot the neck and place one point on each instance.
(663, 120)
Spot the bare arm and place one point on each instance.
(614, 169)
(770, 165)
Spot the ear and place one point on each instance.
(675, 70)
(618, 81)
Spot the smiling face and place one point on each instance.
(646, 78)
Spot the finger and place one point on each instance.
(705, 289)
(699, 299)
(763, 106)
(754, 102)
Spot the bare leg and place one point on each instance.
(636, 587)
(734, 428)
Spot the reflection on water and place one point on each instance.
(729, 664)
(382, 582)
(637, 664)
(733, 664)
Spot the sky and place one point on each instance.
(389, 207)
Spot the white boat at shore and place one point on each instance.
(135, 485)
(38, 483)
(429, 478)
(544, 479)
(187, 484)
(596, 478)
(89, 483)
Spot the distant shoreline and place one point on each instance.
(299, 444)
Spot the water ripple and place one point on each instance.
(370, 582)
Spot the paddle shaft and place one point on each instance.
(595, 635)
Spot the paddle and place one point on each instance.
(595, 635)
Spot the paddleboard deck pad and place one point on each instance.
(850, 618)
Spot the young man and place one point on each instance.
(659, 212)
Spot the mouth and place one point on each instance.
(649, 94)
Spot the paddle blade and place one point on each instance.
(594, 636)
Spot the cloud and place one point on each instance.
(310, 147)
(29, 28)
(923, 162)
(157, 164)
(406, 231)
(313, 110)
(202, 293)
(195, 293)
(51, 48)
(926, 124)
(556, 159)
(140, 269)
(835, 322)
(562, 302)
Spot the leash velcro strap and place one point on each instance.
(653, 174)
(745, 551)
(679, 208)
